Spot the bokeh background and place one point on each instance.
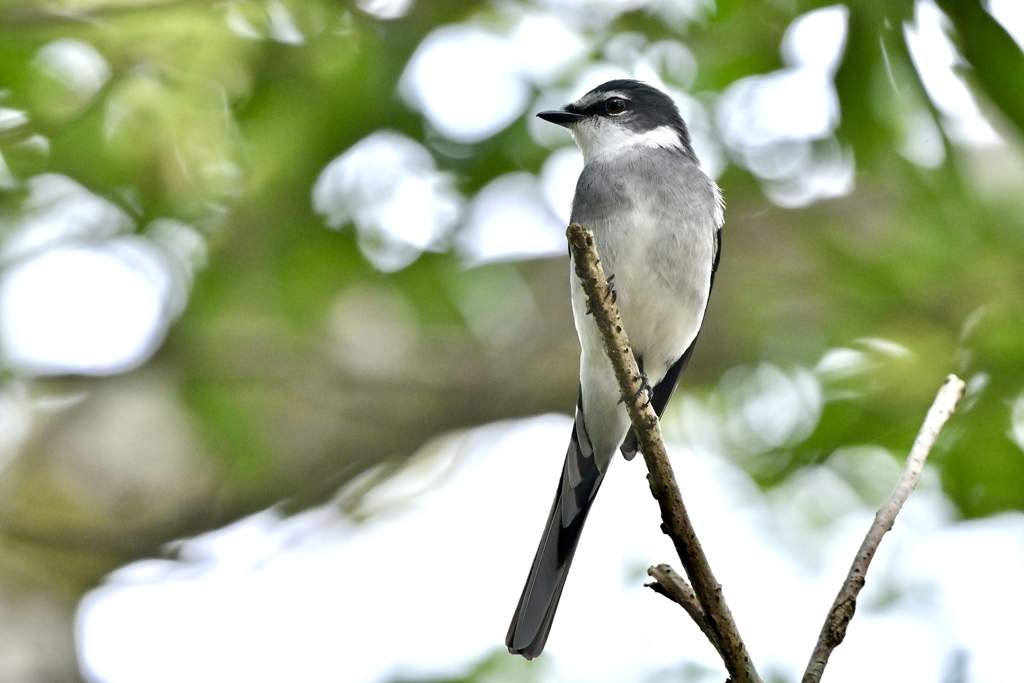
(287, 359)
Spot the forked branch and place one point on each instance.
(705, 602)
(675, 520)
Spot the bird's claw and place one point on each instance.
(645, 386)
(610, 289)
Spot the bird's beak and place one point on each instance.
(561, 117)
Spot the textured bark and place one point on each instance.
(676, 521)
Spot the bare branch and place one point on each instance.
(834, 630)
(676, 522)
(674, 587)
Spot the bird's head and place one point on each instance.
(622, 115)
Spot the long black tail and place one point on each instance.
(577, 488)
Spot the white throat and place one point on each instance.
(598, 138)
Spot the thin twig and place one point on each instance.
(675, 521)
(834, 630)
(674, 587)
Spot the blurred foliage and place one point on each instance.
(223, 115)
(494, 668)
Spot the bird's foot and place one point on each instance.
(645, 386)
(609, 291)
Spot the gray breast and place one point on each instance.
(654, 214)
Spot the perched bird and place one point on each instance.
(657, 219)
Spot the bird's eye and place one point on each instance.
(615, 105)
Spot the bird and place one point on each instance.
(657, 222)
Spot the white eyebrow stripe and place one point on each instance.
(593, 98)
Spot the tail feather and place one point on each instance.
(535, 612)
